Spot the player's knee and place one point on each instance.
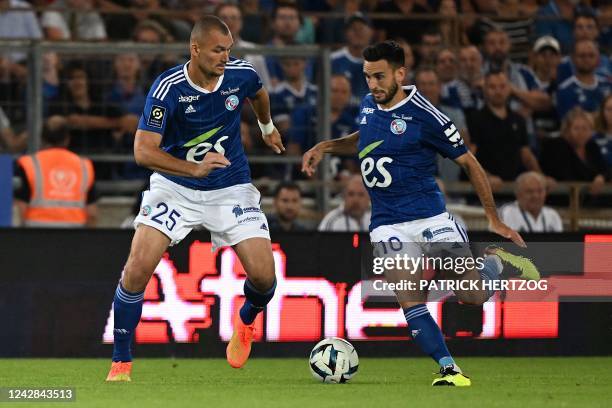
(136, 274)
(263, 282)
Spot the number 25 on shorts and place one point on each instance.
(171, 218)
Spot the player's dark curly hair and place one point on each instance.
(390, 51)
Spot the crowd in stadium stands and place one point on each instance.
(527, 83)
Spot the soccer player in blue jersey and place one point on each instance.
(189, 134)
(399, 135)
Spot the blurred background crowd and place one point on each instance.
(528, 84)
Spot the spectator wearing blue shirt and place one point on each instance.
(545, 59)
(348, 60)
(555, 18)
(292, 93)
(524, 87)
(585, 28)
(453, 93)
(603, 126)
(585, 88)
(286, 21)
(471, 75)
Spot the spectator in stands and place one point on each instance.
(585, 88)
(287, 206)
(151, 32)
(408, 59)
(471, 74)
(353, 215)
(90, 123)
(126, 91)
(85, 23)
(575, 156)
(57, 186)
(255, 21)
(429, 46)
(131, 12)
(603, 125)
(454, 92)
(348, 60)
(232, 16)
(451, 26)
(293, 92)
(403, 25)
(504, 153)
(528, 213)
(428, 84)
(286, 22)
(555, 18)
(523, 85)
(18, 24)
(505, 15)
(546, 57)
(585, 28)
(9, 141)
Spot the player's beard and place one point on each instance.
(390, 94)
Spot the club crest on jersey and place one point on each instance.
(146, 210)
(398, 126)
(231, 102)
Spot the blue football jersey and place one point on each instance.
(397, 151)
(194, 121)
(573, 93)
(344, 63)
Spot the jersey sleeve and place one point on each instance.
(157, 110)
(440, 133)
(253, 83)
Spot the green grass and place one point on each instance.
(211, 383)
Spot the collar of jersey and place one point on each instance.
(410, 90)
(199, 88)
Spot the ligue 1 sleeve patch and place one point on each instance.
(156, 116)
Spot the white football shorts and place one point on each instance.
(231, 214)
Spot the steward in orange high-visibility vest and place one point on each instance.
(57, 186)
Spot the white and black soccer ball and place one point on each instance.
(333, 360)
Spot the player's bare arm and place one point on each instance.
(346, 145)
(479, 180)
(269, 133)
(148, 154)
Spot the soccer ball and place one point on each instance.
(333, 360)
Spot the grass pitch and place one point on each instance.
(496, 382)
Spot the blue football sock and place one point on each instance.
(426, 333)
(127, 310)
(491, 271)
(255, 301)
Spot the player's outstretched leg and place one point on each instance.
(256, 257)
(147, 249)
(428, 336)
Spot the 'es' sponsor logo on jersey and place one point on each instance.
(367, 111)
(230, 91)
(398, 126)
(231, 102)
(189, 98)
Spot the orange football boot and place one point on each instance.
(239, 346)
(120, 371)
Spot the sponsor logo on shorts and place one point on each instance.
(398, 126)
(146, 210)
(156, 116)
(249, 219)
(239, 211)
(264, 227)
(231, 102)
(428, 234)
